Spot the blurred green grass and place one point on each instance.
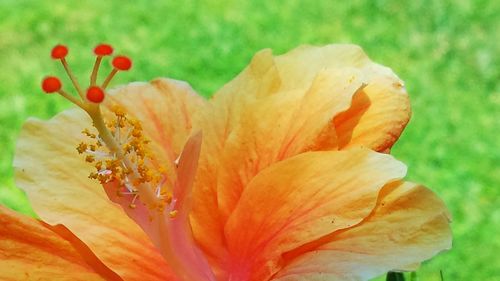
(446, 51)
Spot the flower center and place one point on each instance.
(119, 151)
(137, 167)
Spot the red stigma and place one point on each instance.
(122, 63)
(51, 84)
(59, 52)
(95, 94)
(103, 50)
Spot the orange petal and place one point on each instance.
(378, 115)
(300, 200)
(379, 112)
(56, 180)
(31, 251)
(172, 235)
(165, 108)
(168, 110)
(275, 128)
(277, 107)
(409, 225)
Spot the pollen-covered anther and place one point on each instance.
(173, 214)
(118, 111)
(130, 164)
(89, 134)
(168, 197)
(81, 148)
(98, 165)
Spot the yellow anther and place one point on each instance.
(168, 198)
(89, 134)
(127, 147)
(81, 148)
(121, 122)
(98, 165)
(118, 111)
(147, 176)
(136, 133)
(128, 162)
(173, 214)
(140, 153)
(141, 169)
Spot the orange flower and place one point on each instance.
(280, 176)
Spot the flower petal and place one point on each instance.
(410, 224)
(165, 108)
(280, 106)
(168, 111)
(301, 199)
(31, 251)
(379, 112)
(54, 176)
(172, 235)
(277, 107)
(377, 117)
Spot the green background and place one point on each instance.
(447, 53)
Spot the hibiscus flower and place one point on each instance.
(282, 175)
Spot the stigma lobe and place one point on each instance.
(51, 84)
(95, 94)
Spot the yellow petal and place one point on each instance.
(409, 225)
(300, 200)
(31, 251)
(54, 176)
